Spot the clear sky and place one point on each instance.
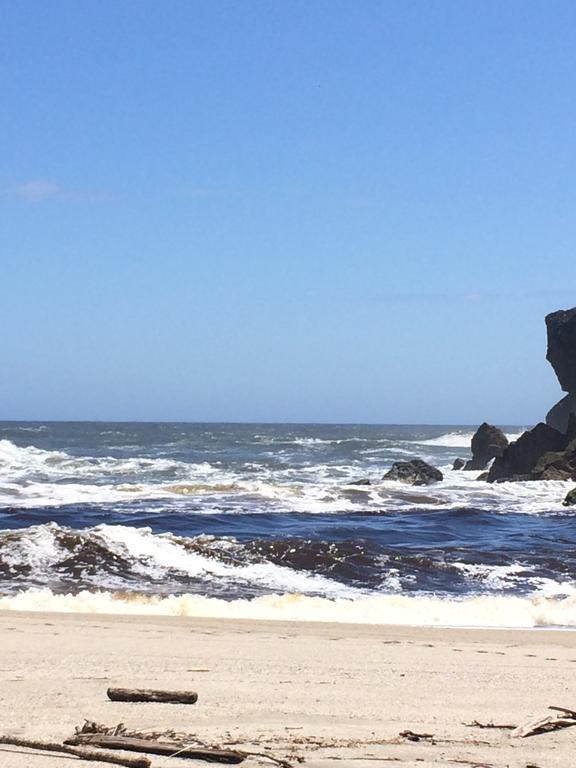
(299, 210)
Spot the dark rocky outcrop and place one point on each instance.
(560, 414)
(361, 481)
(523, 459)
(561, 354)
(414, 472)
(459, 464)
(570, 499)
(488, 443)
(548, 451)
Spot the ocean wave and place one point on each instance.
(484, 611)
(124, 557)
(31, 477)
(228, 494)
(459, 439)
(118, 556)
(18, 463)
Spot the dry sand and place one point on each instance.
(334, 694)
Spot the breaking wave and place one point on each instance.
(276, 521)
(460, 439)
(484, 611)
(130, 559)
(31, 477)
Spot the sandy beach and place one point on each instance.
(327, 693)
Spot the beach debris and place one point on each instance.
(83, 754)
(413, 736)
(477, 724)
(149, 695)
(565, 718)
(153, 747)
(183, 741)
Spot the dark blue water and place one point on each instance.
(246, 510)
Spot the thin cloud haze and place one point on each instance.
(44, 190)
(35, 191)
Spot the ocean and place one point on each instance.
(264, 521)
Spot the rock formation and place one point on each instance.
(570, 499)
(524, 459)
(561, 354)
(414, 472)
(548, 451)
(458, 464)
(487, 443)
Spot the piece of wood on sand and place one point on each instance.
(149, 695)
(566, 719)
(83, 754)
(152, 747)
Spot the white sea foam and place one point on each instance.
(459, 439)
(519, 612)
(153, 558)
(31, 477)
(492, 576)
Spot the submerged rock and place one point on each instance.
(414, 472)
(520, 459)
(488, 443)
(570, 499)
(459, 464)
(361, 481)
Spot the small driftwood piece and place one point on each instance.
(413, 736)
(566, 719)
(148, 695)
(83, 754)
(569, 712)
(186, 740)
(501, 726)
(166, 748)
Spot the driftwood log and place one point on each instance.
(83, 754)
(166, 748)
(566, 719)
(145, 694)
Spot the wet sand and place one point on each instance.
(333, 694)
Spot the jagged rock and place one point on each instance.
(570, 499)
(414, 472)
(488, 443)
(561, 352)
(554, 473)
(459, 464)
(556, 466)
(519, 460)
(483, 476)
(559, 415)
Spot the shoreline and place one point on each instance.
(484, 611)
(322, 691)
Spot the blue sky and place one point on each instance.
(312, 210)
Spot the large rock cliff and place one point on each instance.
(561, 355)
(548, 451)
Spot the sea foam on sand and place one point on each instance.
(481, 611)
